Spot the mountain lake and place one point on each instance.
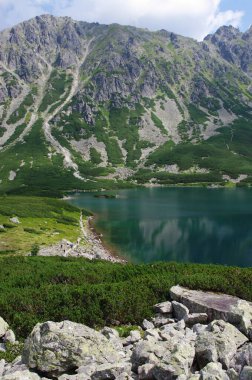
(194, 225)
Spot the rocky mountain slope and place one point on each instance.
(196, 336)
(84, 104)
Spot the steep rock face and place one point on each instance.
(58, 40)
(234, 46)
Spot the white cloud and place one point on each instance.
(194, 18)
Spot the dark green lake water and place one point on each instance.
(176, 224)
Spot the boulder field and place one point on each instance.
(193, 336)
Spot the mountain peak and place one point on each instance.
(225, 32)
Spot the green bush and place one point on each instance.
(35, 250)
(9, 225)
(12, 352)
(37, 289)
(32, 231)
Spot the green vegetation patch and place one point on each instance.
(125, 124)
(37, 289)
(20, 113)
(158, 123)
(59, 82)
(197, 116)
(43, 221)
(228, 152)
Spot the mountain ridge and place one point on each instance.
(109, 103)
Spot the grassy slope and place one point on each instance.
(36, 289)
(41, 175)
(226, 153)
(44, 221)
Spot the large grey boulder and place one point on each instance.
(213, 371)
(218, 343)
(3, 327)
(217, 306)
(55, 348)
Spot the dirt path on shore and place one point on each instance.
(88, 245)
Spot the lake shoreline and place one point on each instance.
(89, 245)
(97, 236)
(147, 185)
(173, 224)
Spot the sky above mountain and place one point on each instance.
(194, 18)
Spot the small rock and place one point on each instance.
(124, 376)
(179, 310)
(246, 373)
(147, 352)
(110, 333)
(198, 328)
(9, 337)
(2, 347)
(179, 326)
(147, 325)
(160, 320)
(206, 351)
(232, 374)
(153, 333)
(195, 318)
(2, 365)
(213, 371)
(242, 358)
(218, 343)
(3, 327)
(145, 372)
(15, 220)
(163, 307)
(21, 375)
(134, 337)
(110, 371)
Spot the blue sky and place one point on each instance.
(193, 18)
(244, 5)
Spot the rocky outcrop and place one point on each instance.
(211, 350)
(217, 306)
